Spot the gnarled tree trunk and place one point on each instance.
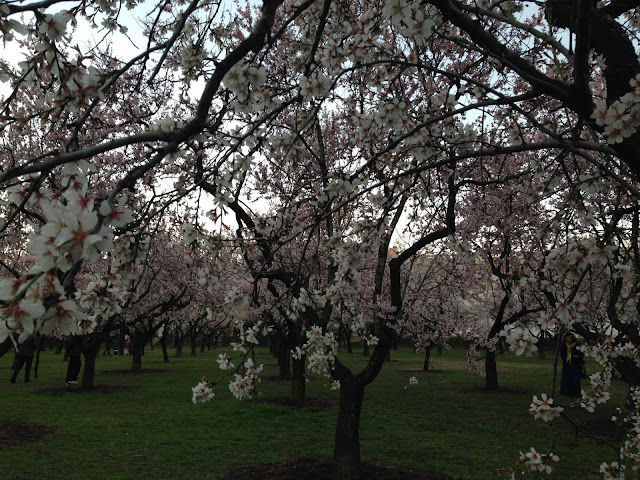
(346, 455)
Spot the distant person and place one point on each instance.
(26, 352)
(572, 367)
(74, 351)
(116, 350)
(127, 346)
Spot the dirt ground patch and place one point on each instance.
(320, 469)
(13, 433)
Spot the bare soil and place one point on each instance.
(13, 433)
(320, 469)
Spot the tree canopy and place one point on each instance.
(498, 135)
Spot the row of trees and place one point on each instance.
(290, 141)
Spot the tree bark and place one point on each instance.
(137, 350)
(193, 345)
(346, 465)
(179, 344)
(90, 347)
(347, 339)
(298, 382)
(284, 360)
(89, 372)
(136, 360)
(491, 370)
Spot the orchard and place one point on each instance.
(309, 172)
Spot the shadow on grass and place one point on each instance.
(131, 372)
(312, 404)
(77, 389)
(320, 469)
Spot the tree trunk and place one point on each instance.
(136, 360)
(137, 350)
(365, 348)
(90, 346)
(346, 457)
(89, 372)
(284, 360)
(165, 352)
(348, 340)
(179, 344)
(298, 382)
(193, 345)
(491, 370)
(427, 358)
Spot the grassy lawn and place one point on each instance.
(145, 426)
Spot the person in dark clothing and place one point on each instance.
(25, 354)
(74, 351)
(572, 367)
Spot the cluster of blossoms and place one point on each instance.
(607, 348)
(245, 81)
(321, 349)
(417, 26)
(208, 278)
(316, 85)
(475, 366)
(631, 447)
(359, 327)
(542, 408)
(598, 393)
(249, 335)
(54, 27)
(622, 118)
(21, 315)
(225, 362)
(244, 386)
(520, 340)
(612, 471)
(535, 462)
(202, 392)
(74, 230)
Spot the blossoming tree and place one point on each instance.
(424, 93)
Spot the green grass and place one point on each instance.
(153, 431)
